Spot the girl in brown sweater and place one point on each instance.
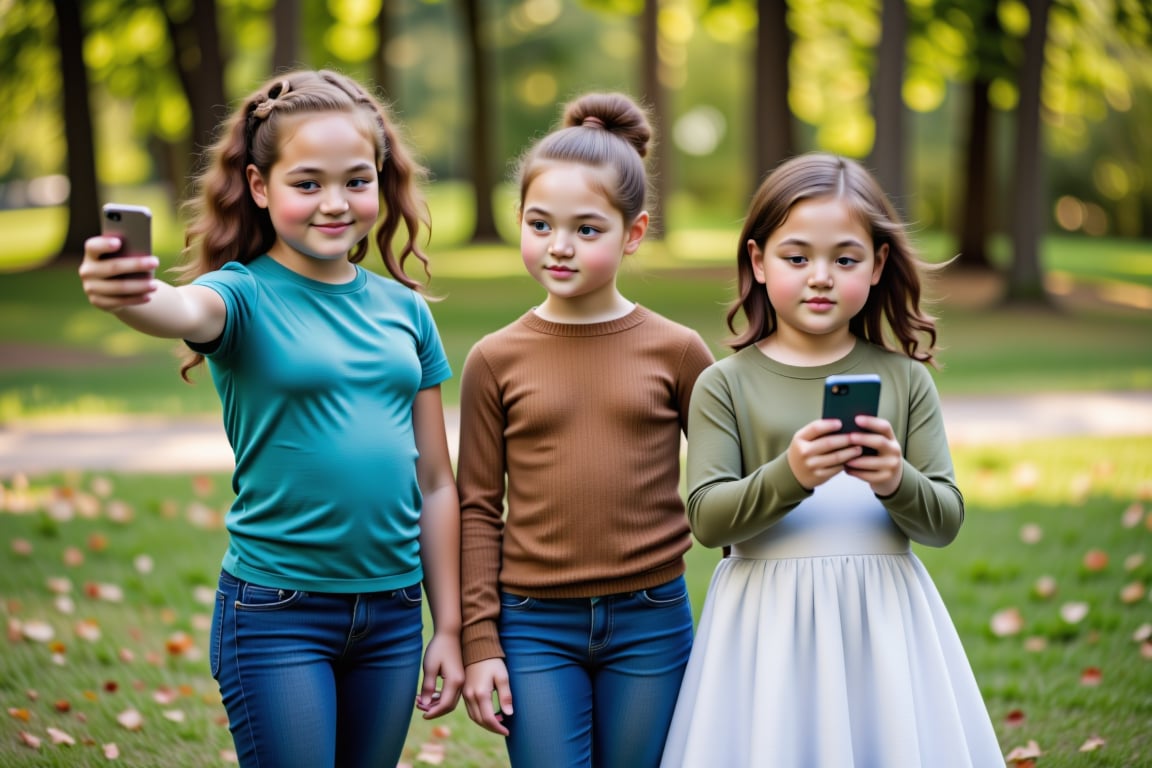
(575, 609)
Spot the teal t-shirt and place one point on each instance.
(317, 383)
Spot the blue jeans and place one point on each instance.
(316, 679)
(594, 680)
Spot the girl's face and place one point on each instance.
(817, 268)
(322, 195)
(573, 240)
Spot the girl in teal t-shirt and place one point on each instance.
(329, 378)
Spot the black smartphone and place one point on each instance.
(133, 225)
(846, 397)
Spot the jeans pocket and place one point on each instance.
(663, 595)
(253, 597)
(510, 602)
(410, 596)
(217, 637)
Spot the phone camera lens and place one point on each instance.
(113, 216)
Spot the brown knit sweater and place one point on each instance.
(584, 421)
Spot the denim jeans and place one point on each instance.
(594, 680)
(316, 679)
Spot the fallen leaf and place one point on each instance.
(38, 631)
(21, 547)
(88, 629)
(29, 740)
(1133, 592)
(59, 585)
(431, 753)
(97, 542)
(441, 731)
(1007, 622)
(1014, 718)
(111, 751)
(20, 713)
(73, 557)
(175, 715)
(143, 564)
(1090, 676)
(1133, 514)
(1093, 744)
(1134, 561)
(1031, 533)
(63, 705)
(179, 643)
(1025, 755)
(1045, 587)
(1073, 613)
(60, 737)
(1035, 643)
(1095, 560)
(130, 719)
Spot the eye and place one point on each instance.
(306, 186)
(539, 226)
(587, 230)
(359, 183)
(847, 261)
(795, 259)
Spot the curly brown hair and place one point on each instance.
(224, 222)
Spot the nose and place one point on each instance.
(820, 276)
(560, 247)
(334, 202)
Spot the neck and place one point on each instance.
(576, 311)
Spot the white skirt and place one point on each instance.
(823, 642)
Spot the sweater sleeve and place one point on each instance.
(725, 505)
(696, 358)
(928, 505)
(480, 481)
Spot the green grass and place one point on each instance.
(93, 529)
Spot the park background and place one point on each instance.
(1012, 134)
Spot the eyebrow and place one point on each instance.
(310, 170)
(541, 210)
(850, 242)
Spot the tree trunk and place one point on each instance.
(656, 99)
(200, 66)
(887, 91)
(772, 141)
(286, 29)
(481, 142)
(84, 193)
(972, 222)
(1025, 278)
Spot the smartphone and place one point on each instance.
(846, 397)
(133, 225)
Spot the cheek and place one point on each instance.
(855, 291)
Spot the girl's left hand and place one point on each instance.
(443, 666)
(884, 470)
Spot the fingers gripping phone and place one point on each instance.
(133, 225)
(846, 397)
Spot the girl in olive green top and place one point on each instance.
(823, 641)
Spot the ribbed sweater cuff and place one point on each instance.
(481, 641)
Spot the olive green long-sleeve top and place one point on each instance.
(747, 407)
(580, 427)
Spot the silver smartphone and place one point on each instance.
(849, 396)
(133, 225)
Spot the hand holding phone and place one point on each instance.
(849, 396)
(132, 224)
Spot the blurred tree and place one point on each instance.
(480, 98)
(655, 97)
(384, 28)
(1026, 221)
(83, 197)
(200, 65)
(889, 146)
(772, 139)
(286, 34)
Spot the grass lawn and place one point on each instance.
(109, 580)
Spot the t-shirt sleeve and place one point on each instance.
(237, 287)
(433, 360)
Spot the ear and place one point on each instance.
(257, 186)
(756, 257)
(636, 232)
(881, 260)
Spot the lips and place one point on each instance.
(560, 271)
(819, 303)
(334, 228)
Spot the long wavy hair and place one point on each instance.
(224, 222)
(894, 303)
(599, 130)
